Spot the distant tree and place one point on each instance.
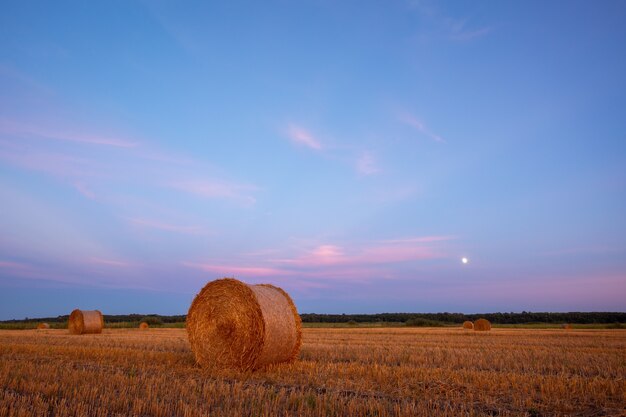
(152, 320)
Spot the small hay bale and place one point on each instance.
(43, 326)
(234, 325)
(468, 325)
(482, 325)
(143, 326)
(86, 321)
(567, 326)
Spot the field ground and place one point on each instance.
(24, 325)
(340, 372)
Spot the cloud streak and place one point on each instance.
(215, 189)
(366, 164)
(238, 271)
(303, 137)
(152, 224)
(418, 125)
(10, 127)
(330, 261)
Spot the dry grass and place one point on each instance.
(361, 372)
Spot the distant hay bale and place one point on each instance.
(567, 326)
(143, 326)
(43, 326)
(234, 325)
(468, 325)
(482, 325)
(86, 321)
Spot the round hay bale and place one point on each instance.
(85, 321)
(567, 326)
(468, 325)
(482, 325)
(43, 326)
(234, 325)
(143, 326)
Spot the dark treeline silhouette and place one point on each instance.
(498, 318)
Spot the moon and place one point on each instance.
(464, 260)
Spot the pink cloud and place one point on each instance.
(328, 262)
(381, 253)
(52, 163)
(13, 265)
(303, 137)
(554, 290)
(366, 164)
(412, 121)
(21, 129)
(190, 230)
(230, 270)
(28, 271)
(423, 239)
(109, 262)
(84, 190)
(217, 189)
(586, 250)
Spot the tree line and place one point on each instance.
(497, 318)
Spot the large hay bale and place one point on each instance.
(482, 325)
(43, 326)
(567, 326)
(468, 325)
(86, 321)
(234, 325)
(143, 326)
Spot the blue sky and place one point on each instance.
(349, 152)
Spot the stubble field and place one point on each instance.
(340, 372)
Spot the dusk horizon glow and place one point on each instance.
(405, 156)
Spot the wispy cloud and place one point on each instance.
(417, 124)
(366, 164)
(12, 127)
(236, 271)
(588, 250)
(152, 224)
(84, 190)
(53, 163)
(217, 189)
(382, 252)
(468, 35)
(13, 265)
(301, 136)
(330, 261)
(444, 26)
(108, 262)
(459, 30)
(421, 239)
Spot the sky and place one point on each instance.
(350, 152)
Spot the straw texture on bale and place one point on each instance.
(482, 325)
(85, 321)
(42, 326)
(143, 326)
(468, 325)
(234, 325)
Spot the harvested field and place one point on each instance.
(374, 372)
